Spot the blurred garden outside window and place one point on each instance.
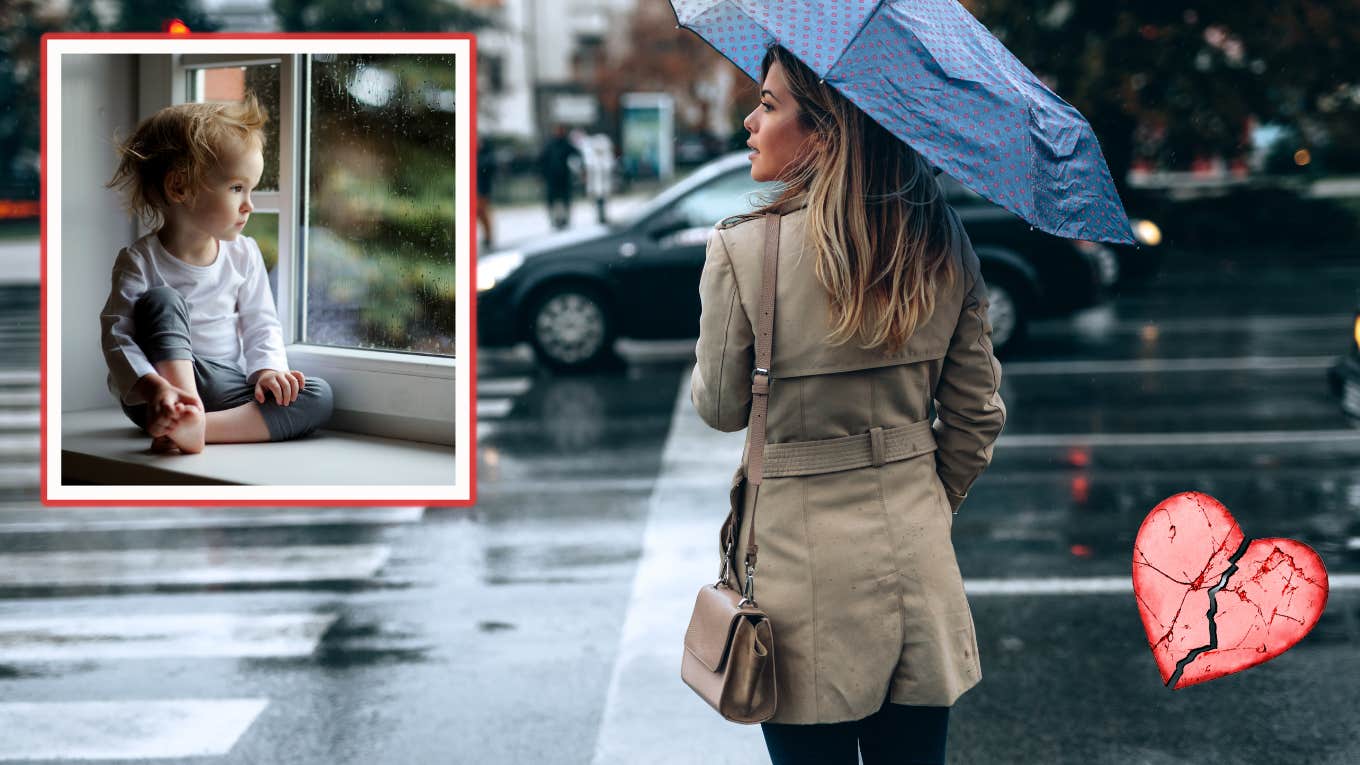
(380, 202)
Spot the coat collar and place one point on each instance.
(793, 205)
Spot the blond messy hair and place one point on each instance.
(183, 144)
(877, 218)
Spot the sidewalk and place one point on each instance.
(517, 224)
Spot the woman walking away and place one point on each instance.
(884, 406)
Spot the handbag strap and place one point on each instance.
(760, 377)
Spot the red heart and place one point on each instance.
(1272, 597)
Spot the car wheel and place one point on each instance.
(1005, 314)
(570, 328)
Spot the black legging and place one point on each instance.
(897, 734)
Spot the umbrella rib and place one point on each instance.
(851, 39)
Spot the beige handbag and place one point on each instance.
(729, 646)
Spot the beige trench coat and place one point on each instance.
(856, 568)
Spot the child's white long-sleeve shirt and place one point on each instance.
(231, 310)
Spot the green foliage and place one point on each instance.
(264, 229)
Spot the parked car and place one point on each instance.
(1344, 375)
(572, 294)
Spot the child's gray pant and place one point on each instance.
(162, 332)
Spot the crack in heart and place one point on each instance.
(1213, 612)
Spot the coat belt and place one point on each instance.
(828, 455)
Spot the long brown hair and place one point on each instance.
(876, 215)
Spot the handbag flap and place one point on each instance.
(710, 627)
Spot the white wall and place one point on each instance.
(98, 96)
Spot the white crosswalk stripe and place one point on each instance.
(20, 397)
(58, 519)
(504, 386)
(19, 420)
(159, 635)
(677, 558)
(494, 407)
(124, 730)
(20, 377)
(200, 567)
(16, 445)
(496, 397)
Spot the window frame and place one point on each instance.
(395, 394)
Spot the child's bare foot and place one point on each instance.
(166, 420)
(162, 444)
(161, 424)
(189, 432)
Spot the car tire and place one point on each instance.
(1006, 313)
(570, 328)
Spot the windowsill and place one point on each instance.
(100, 446)
(390, 394)
(396, 362)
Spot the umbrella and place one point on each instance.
(930, 73)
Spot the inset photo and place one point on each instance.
(257, 269)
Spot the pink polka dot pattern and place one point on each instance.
(939, 80)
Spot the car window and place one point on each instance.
(732, 193)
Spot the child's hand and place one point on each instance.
(167, 405)
(284, 385)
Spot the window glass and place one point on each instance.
(264, 228)
(730, 194)
(379, 253)
(231, 83)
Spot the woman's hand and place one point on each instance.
(284, 385)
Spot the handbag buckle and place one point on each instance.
(749, 591)
(727, 564)
(759, 371)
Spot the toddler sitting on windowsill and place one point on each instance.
(192, 341)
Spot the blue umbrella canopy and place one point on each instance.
(931, 74)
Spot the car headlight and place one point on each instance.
(496, 267)
(1147, 232)
(1357, 331)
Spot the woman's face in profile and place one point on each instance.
(776, 134)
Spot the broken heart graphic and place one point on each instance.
(1211, 603)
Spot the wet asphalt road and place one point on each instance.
(510, 632)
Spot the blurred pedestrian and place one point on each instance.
(555, 164)
(599, 172)
(486, 177)
(881, 318)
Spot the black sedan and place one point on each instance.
(1345, 374)
(571, 295)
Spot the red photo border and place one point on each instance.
(469, 442)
